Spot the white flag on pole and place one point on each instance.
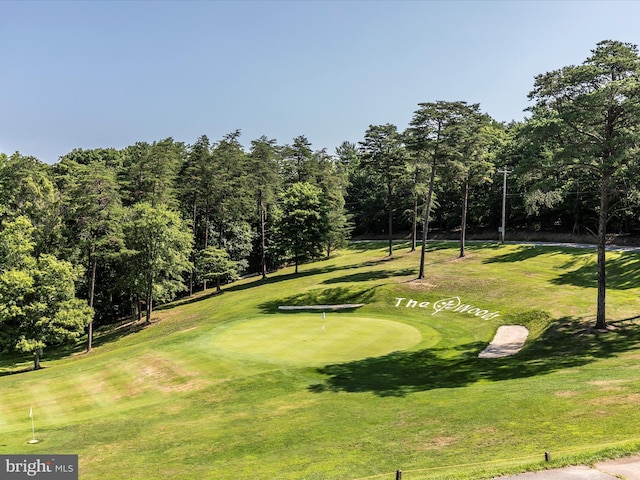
(33, 428)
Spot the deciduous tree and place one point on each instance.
(26, 188)
(215, 265)
(304, 222)
(160, 246)
(38, 307)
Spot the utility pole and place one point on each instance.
(504, 202)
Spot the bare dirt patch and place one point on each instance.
(565, 394)
(420, 285)
(440, 442)
(616, 400)
(165, 376)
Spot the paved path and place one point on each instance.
(623, 468)
(615, 248)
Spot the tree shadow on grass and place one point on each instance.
(526, 252)
(566, 344)
(283, 277)
(114, 333)
(322, 296)
(623, 272)
(195, 298)
(369, 245)
(13, 363)
(276, 277)
(371, 275)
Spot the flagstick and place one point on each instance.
(33, 428)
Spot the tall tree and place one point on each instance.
(263, 160)
(159, 246)
(196, 193)
(298, 163)
(333, 179)
(416, 173)
(215, 265)
(38, 307)
(150, 171)
(593, 109)
(26, 188)
(94, 220)
(473, 140)
(364, 199)
(231, 197)
(109, 157)
(430, 135)
(304, 223)
(383, 156)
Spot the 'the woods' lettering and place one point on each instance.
(448, 304)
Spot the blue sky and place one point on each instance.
(91, 74)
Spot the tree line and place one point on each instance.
(108, 233)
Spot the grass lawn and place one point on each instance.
(228, 386)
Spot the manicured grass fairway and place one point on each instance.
(227, 386)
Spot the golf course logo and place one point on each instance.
(58, 467)
(448, 304)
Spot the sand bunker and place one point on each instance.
(509, 340)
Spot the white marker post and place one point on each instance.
(33, 428)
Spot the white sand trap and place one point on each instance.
(509, 340)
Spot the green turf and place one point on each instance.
(228, 386)
(308, 339)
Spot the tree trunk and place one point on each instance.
(414, 229)
(92, 290)
(138, 307)
(149, 309)
(601, 319)
(193, 231)
(390, 214)
(463, 224)
(206, 235)
(221, 233)
(427, 213)
(36, 359)
(263, 254)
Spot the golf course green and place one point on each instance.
(229, 386)
(310, 339)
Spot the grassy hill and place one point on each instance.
(228, 386)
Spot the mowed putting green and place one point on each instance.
(309, 339)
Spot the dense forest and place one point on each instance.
(105, 234)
